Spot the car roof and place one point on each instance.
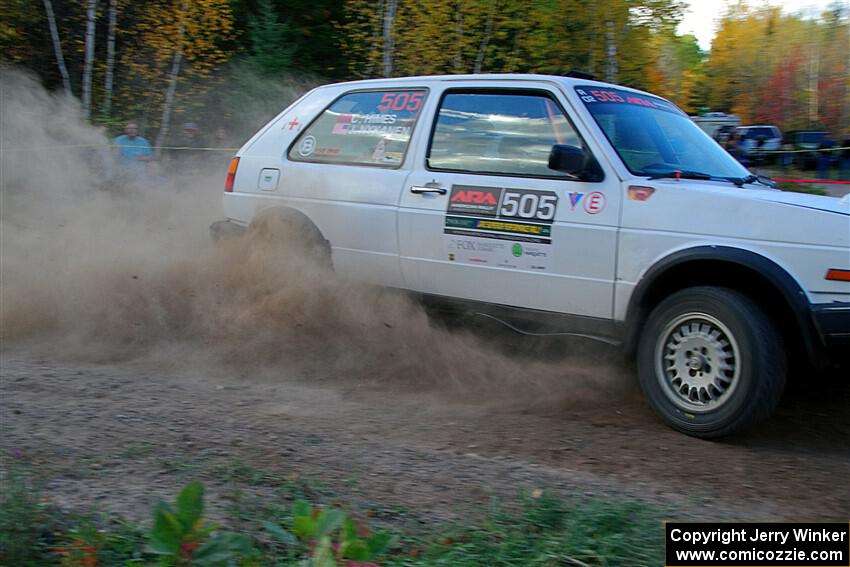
(508, 77)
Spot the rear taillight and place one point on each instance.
(231, 175)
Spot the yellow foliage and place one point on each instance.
(197, 29)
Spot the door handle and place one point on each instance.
(419, 190)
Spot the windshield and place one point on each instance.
(653, 137)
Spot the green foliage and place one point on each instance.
(22, 520)
(549, 531)
(182, 537)
(331, 535)
(543, 530)
(273, 43)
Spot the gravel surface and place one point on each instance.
(117, 434)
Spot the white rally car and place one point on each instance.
(562, 202)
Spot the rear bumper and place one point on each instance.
(225, 229)
(833, 324)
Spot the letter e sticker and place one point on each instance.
(594, 203)
(307, 146)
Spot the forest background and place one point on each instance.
(216, 62)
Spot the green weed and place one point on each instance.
(541, 530)
(182, 537)
(23, 520)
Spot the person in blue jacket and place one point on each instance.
(133, 152)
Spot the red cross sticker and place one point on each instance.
(294, 123)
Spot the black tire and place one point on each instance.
(711, 362)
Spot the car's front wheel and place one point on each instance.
(710, 361)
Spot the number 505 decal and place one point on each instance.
(539, 205)
(410, 101)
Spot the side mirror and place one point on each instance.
(576, 162)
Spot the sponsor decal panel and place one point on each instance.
(472, 249)
(500, 226)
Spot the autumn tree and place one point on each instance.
(776, 68)
(173, 50)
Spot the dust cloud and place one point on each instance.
(104, 270)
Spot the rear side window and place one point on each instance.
(765, 132)
(508, 133)
(362, 128)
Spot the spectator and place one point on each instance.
(825, 157)
(786, 158)
(220, 138)
(133, 152)
(732, 143)
(186, 155)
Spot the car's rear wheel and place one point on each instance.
(710, 362)
(293, 230)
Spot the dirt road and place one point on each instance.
(118, 433)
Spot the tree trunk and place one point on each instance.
(110, 57)
(611, 53)
(389, 44)
(91, 15)
(169, 98)
(375, 38)
(458, 58)
(485, 41)
(172, 83)
(57, 47)
(814, 68)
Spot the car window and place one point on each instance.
(652, 136)
(505, 133)
(754, 133)
(362, 128)
(810, 137)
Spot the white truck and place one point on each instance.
(712, 122)
(571, 204)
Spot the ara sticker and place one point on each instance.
(294, 124)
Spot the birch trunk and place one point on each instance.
(458, 58)
(172, 84)
(57, 47)
(485, 41)
(389, 44)
(169, 99)
(91, 15)
(611, 53)
(375, 38)
(110, 57)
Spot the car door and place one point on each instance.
(482, 217)
(345, 171)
